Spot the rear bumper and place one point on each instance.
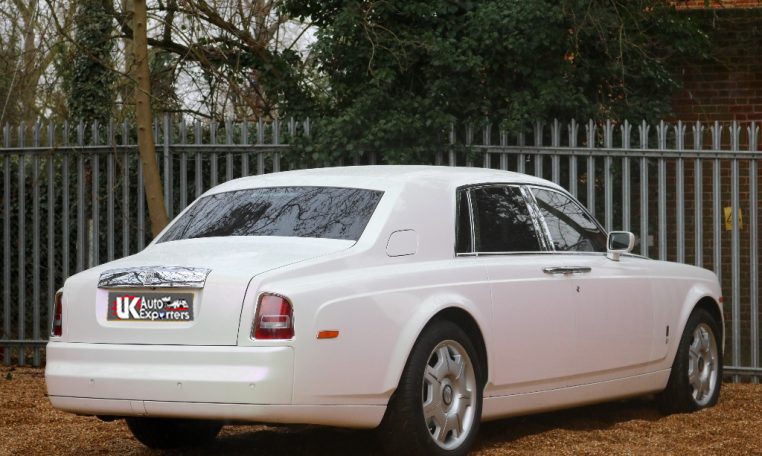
(243, 375)
(209, 382)
(352, 416)
(226, 383)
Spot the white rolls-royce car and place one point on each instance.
(419, 300)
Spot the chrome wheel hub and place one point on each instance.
(703, 364)
(447, 395)
(449, 384)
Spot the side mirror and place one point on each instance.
(619, 242)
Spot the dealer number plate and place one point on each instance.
(150, 306)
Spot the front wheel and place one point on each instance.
(696, 376)
(165, 433)
(437, 405)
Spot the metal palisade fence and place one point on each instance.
(72, 197)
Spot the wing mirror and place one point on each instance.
(619, 242)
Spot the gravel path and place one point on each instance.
(29, 426)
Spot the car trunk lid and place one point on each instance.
(187, 292)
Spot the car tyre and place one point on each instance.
(696, 376)
(164, 433)
(438, 403)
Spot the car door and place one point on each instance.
(615, 318)
(532, 313)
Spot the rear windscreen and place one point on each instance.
(318, 212)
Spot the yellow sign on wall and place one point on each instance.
(729, 218)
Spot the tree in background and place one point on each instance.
(90, 81)
(144, 121)
(228, 58)
(397, 73)
(30, 51)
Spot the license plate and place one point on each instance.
(150, 306)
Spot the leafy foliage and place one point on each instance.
(399, 72)
(90, 80)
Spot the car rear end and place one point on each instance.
(160, 334)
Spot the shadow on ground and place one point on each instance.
(315, 440)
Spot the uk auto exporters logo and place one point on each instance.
(150, 307)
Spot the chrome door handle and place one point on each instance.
(566, 270)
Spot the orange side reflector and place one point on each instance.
(332, 334)
(722, 299)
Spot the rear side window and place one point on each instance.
(571, 229)
(502, 221)
(319, 212)
(463, 224)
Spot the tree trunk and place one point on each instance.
(144, 120)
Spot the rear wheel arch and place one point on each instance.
(461, 318)
(466, 321)
(463, 313)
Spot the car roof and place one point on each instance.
(383, 177)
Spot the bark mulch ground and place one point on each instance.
(30, 426)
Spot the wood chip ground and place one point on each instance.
(30, 426)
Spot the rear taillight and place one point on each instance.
(274, 318)
(56, 327)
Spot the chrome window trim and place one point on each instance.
(471, 220)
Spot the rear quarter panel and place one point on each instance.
(379, 312)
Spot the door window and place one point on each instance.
(502, 221)
(570, 227)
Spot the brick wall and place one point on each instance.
(728, 85)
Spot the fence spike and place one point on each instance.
(608, 141)
(752, 130)
(698, 135)
(680, 135)
(735, 136)
(291, 127)
(661, 134)
(503, 133)
(487, 134)
(643, 132)
(590, 132)
(228, 131)
(94, 132)
(626, 134)
(555, 133)
(21, 140)
(716, 130)
(276, 131)
(51, 134)
(36, 134)
(538, 128)
(80, 133)
(573, 133)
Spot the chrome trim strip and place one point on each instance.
(154, 276)
(566, 270)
